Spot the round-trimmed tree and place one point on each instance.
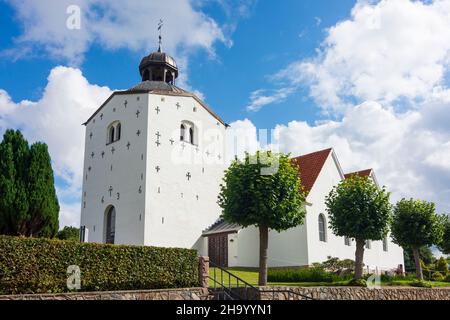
(415, 224)
(358, 209)
(444, 244)
(263, 190)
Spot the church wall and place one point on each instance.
(122, 167)
(181, 197)
(374, 258)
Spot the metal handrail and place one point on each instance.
(227, 290)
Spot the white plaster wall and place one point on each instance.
(335, 246)
(178, 209)
(125, 176)
(246, 249)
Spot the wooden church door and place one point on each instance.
(218, 249)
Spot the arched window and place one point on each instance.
(111, 134)
(347, 241)
(182, 131)
(385, 244)
(322, 228)
(114, 132)
(191, 135)
(368, 244)
(110, 225)
(119, 131)
(146, 75)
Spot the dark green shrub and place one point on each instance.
(437, 276)
(447, 278)
(40, 266)
(420, 284)
(357, 283)
(442, 266)
(314, 274)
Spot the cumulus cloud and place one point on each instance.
(408, 156)
(387, 51)
(113, 25)
(261, 98)
(384, 74)
(56, 118)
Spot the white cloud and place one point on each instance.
(113, 25)
(261, 98)
(68, 100)
(409, 157)
(387, 51)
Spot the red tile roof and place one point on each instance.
(362, 173)
(310, 166)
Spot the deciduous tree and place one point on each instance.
(263, 190)
(359, 209)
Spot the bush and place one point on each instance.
(421, 284)
(437, 276)
(314, 274)
(40, 266)
(447, 278)
(442, 265)
(357, 283)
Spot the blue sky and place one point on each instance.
(368, 78)
(266, 40)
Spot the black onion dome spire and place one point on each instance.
(158, 65)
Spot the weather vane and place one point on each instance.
(160, 25)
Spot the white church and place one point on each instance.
(153, 164)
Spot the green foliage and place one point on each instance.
(334, 264)
(425, 253)
(248, 196)
(28, 202)
(437, 276)
(313, 274)
(444, 244)
(358, 283)
(441, 265)
(420, 284)
(69, 233)
(415, 224)
(359, 209)
(447, 278)
(31, 265)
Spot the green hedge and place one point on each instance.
(313, 274)
(30, 265)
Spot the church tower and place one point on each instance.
(154, 161)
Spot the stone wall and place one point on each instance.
(163, 294)
(356, 293)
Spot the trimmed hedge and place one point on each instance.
(30, 265)
(313, 274)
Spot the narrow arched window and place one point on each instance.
(111, 135)
(385, 244)
(368, 244)
(119, 131)
(322, 228)
(182, 131)
(191, 135)
(110, 230)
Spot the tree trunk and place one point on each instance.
(359, 258)
(263, 245)
(416, 254)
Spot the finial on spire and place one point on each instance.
(160, 25)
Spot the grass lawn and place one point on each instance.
(250, 275)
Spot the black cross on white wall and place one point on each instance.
(110, 190)
(137, 114)
(157, 110)
(188, 176)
